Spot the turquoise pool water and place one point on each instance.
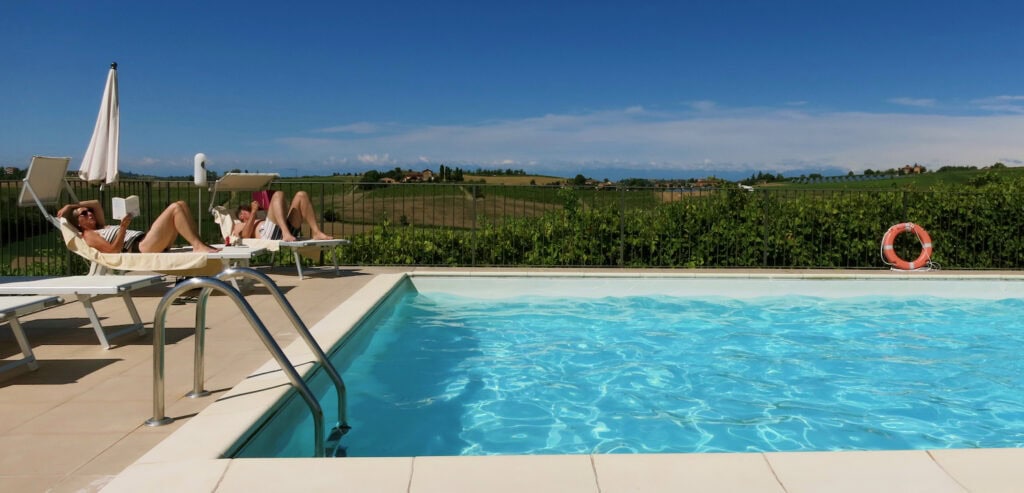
(468, 372)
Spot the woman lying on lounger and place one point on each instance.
(278, 215)
(175, 220)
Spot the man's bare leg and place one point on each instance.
(302, 210)
(278, 214)
(173, 221)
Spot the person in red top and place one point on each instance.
(279, 214)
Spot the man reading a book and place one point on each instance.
(175, 220)
(290, 217)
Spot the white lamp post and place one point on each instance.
(199, 177)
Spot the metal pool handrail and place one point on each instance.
(300, 327)
(159, 339)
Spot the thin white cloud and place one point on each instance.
(1009, 98)
(1001, 104)
(375, 159)
(916, 102)
(360, 128)
(703, 105)
(775, 140)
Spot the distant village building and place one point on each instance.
(411, 177)
(10, 170)
(916, 169)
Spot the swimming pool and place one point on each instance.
(727, 365)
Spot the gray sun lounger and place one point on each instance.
(12, 307)
(87, 289)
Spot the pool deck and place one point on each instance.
(76, 424)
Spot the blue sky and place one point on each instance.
(606, 89)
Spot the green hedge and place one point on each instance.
(976, 229)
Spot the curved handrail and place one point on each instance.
(300, 327)
(341, 427)
(159, 339)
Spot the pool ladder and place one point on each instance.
(217, 283)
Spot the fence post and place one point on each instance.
(67, 261)
(322, 222)
(764, 227)
(149, 202)
(622, 227)
(472, 228)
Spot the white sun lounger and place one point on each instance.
(299, 245)
(12, 307)
(43, 186)
(88, 289)
(250, 182)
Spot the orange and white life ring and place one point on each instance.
(889, 254)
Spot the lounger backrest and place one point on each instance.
(225, 219)
(46, 177)
(245, 182)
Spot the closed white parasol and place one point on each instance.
(99, 165)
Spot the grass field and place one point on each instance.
(517, 180)
(912, 182)
(489, 180)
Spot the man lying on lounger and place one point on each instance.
(281, 223)
(175, 220)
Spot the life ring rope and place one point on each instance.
(889, 257)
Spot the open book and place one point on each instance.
(122, 206)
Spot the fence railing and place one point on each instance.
(494, 225)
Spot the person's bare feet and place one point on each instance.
(322, 236)
(205, 249)
(287, 236)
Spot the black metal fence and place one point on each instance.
(495, 225)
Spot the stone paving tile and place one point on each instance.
(996, 470)
(899, 471)
(707, 473)
(51, 454)
(379, 475)
(511, 474)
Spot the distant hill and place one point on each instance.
(951, 177)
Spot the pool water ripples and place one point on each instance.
(450, 375)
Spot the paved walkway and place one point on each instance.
(78, 421)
